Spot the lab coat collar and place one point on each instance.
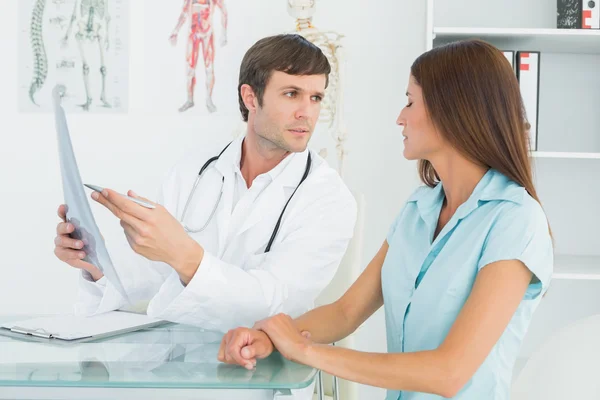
(289, 170)
(284, 178)
(226, 163)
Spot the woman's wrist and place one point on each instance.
(310, 353)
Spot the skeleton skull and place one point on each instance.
(301, 9)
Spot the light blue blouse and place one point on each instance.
(425, 284)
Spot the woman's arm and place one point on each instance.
(496, 294)
(335, 321)
(324, 324)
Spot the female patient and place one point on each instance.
(464, 264)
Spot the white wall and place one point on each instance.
(494, 14)
(134, 150)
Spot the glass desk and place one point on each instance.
(180, 358)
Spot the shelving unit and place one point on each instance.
(575, 41)
(576, 267)
(562, 154)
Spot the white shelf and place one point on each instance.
(576, 267)
(544, 40)
(559, 154)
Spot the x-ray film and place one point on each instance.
(79, 212)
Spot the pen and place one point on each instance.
(140, 202)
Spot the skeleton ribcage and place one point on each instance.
(98, 7)
(328, 47)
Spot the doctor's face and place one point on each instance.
(290, 109)
(421, 138)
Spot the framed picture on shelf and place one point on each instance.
(577, 14)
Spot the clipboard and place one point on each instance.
(76, 329)
(79, 212)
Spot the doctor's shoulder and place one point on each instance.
(325, 181)
(324, 195)
(182, 173)
(188, 165)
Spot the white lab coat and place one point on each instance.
(236, 283)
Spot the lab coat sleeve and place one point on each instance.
(140, 277)
(288, 279)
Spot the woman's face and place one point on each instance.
(421, 139)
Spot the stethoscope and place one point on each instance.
(204, 167)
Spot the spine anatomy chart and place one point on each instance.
(40, 60)
(330, 44)
(81, 44)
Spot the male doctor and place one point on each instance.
(224, 249)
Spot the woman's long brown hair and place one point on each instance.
(473, 99)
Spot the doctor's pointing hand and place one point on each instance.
(154, 233)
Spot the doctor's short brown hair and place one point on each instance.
(289, 53)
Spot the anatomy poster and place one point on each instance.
(192, 48)
(81, 44)
(200, 45)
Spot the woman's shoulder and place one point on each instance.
(405, 210)
(525, 211)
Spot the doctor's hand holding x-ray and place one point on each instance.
(154, 233)
(69, 250)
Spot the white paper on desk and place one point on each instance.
(71, 327)
(79, 212)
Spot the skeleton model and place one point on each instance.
(330, 45)
(91, 19)
(200, 13)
